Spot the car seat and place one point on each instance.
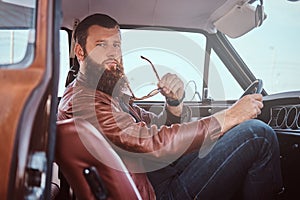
(80, 146)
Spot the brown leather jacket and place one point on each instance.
(140, 137)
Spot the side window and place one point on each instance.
(221, 84)
(17, 34)
(64, 64)
(180, 53)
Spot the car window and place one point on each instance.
(181, 53)
(272, 50)
(175, 52)
(17, 34)
(64, 64)
(221, 84)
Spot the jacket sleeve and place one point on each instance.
(155, 141)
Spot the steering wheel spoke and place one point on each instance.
(255, 87)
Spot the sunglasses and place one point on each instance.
(150, 94)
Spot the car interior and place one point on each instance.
(221, 49)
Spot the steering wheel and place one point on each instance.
(255, 87)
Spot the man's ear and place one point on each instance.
(79, 52)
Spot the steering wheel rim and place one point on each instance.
(255, 87)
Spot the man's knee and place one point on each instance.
(259, 129)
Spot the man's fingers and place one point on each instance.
(260, 104)
(257, 97)
(171, 85)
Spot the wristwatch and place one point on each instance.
(175, 102)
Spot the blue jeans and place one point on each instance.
(243, 164)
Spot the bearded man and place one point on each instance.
(161, 151)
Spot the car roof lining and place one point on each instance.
(192, 14)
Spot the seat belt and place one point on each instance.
(72, 45)
(74, 65)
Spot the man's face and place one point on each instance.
(103, 46)
(103, 67)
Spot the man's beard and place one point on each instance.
(110, 81)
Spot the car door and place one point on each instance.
(28, 87)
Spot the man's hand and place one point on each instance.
(248, 107)
(172, 87)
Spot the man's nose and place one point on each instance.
(111, 51)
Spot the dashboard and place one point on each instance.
(282, 112)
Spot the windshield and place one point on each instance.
(272, 50)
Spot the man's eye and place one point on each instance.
(101, 44)
(118, 45)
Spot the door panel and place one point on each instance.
(26, 96)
